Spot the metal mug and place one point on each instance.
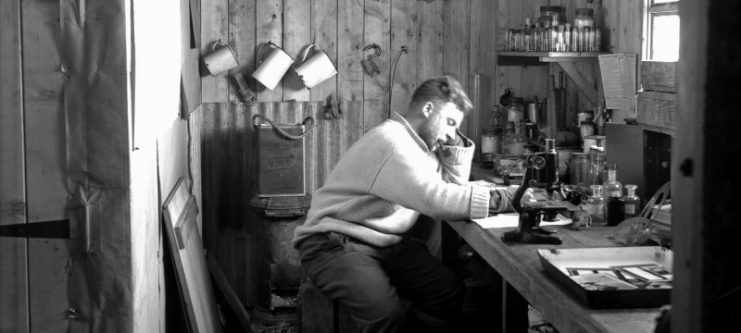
(270, 71)
(221, 59)
(593, 140)
(316, 69)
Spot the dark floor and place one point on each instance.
(481, 314)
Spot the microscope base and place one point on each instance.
(531, 236)
(528, 231)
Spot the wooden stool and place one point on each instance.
(317, 313)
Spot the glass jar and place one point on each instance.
(496, 118)
(631, 202)
(490, 141)
(513, 142)
(547, 14)
(584, 18)
(515, 110)
(579, 171)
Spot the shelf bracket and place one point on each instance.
(586, 87)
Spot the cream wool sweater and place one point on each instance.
(387, 178)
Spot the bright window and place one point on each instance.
(661, 30)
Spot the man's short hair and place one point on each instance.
(442, 90)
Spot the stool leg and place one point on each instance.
(316, 311)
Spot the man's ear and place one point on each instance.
(427, 109)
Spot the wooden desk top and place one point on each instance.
(520, 266)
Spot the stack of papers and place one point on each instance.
(511, 220)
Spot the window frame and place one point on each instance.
(652, 9)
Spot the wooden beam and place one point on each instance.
(689, 165)
(587, 88)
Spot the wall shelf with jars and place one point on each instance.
(551, 38)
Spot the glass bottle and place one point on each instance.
(527, 32)
(613, 191)
(596, 205)
(631, 202)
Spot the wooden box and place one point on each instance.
(280, 161)
(657, 111)
(616, 277)
(659, 76)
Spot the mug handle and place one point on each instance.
(259, 53)
(306, 51)
(216, 44)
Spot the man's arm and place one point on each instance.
(455, 157)
(403, 181)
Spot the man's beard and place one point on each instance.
(429, 140)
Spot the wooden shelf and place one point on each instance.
(552, 56)
(566, 60)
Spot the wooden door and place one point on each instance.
(33, 271)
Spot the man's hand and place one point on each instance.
(457, 140)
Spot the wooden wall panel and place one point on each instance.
(377, 25)
(241, 19)
(214, 27)
(13, 256)
(349, 70)
(483, 62)
(350, 50)
(296, 37)
(456, 44)
(45, 162)
(269, 23)
(430, 32)
(403, 30)
(324, 33)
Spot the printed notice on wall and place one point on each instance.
(619, 80)
(280, 161)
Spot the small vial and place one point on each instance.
(630, 201)
(596, 205)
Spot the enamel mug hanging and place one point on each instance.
(271, 70)
(315, 69)
(221, 58)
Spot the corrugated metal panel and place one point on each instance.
(229, 171)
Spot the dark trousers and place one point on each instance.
(400, 288)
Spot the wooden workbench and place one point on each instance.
(519, 266)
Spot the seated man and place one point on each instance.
(353, 244)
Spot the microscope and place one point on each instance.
(541, 172)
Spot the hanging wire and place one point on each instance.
(393, 75)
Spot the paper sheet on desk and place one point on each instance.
(510, 220)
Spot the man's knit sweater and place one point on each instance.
(384, 181)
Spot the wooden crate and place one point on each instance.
(659, 76)
(657, 111)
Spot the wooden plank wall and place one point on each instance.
(14, 315)
(45, 161)
(342, 29)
